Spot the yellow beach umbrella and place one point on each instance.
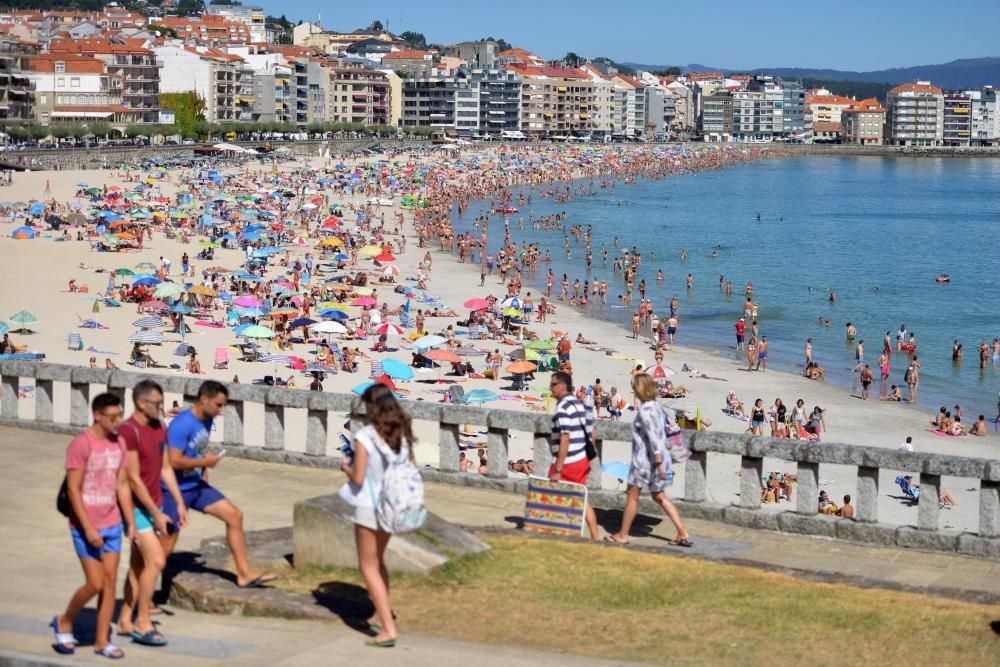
(331, 242)
(370, 251)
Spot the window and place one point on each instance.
(74, 82)
(60, 67)
(43, 99)
(61, 82)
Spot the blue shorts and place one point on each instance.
(112, 542)
(142, 519)
(198, 498)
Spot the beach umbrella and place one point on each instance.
(370, 251)
(511, 312)
(361, 388)
(148, 323)
(391, 270)
(124, 272)
(427, 342)
(385, 257)
(616, 469)
(331, 242)
(257, 331)
(444, 355)
(4, 328)
(202, 290)
(285, 311)
(521, 367)
(329, 327)
(546, 344)
(396, 369)
(389, 329)
(247, 301)
(317, 368)
(469, 352)
(145, 280)
(480, 396)
(512, 302)
(251, 312)
(334, 314)
(167, 290)
(146, 267)
(23, 233)
(146, 337)
(301, 322)
(476, 304)
(659, 371)
(181, 308)
(24, 318)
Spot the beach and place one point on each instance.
(37, 273)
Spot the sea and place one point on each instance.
(876, 230)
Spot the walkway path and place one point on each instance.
(40, 569)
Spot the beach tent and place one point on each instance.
(22, 233)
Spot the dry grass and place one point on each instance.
(616, 603)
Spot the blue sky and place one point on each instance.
(879, 34)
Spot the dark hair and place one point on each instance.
(211, 389)
(388, 418)
(104, 401)
(144, 389)
(847, 499)
(562, 377)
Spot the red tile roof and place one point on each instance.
(407, 54)
(830, 100)
(917, 88)
(74, 63)
(827, 126)
(550, 71)
(871, 105)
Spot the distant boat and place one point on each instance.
(943, 278)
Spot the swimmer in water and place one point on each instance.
(833, 296)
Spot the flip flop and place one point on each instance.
(610, 538)
(680, 543)
(151, 638)
(62, 638)
(386, 643)
(110, 651)
(259, 581)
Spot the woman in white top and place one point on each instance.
(387, 435)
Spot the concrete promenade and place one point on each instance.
(41, 570)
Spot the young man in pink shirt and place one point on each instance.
(96, 483)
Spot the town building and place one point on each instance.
(793, 110)
(483, 54)
(717, 123)
(251, 16)
(359, 95)
(826, 108)
(863, 123)
(985, 117)
(222, 80)
(76, 88)
(555, 101)
(409, 62)
(17, 97)
(957, 119)
(915, 115)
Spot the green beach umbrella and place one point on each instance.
(146, 267)
(124, 272)
(4, 328)
(167, 290)
(511, 312)
(257, 331)
(23, 318)
(547, 344)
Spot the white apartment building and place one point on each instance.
(915, 115)
(219, 78)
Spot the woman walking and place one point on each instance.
(385, 438)
(757, 417)
(650, 468)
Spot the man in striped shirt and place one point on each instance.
(572, 426)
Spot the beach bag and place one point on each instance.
(909, 375)
(678, 450)
(63, 505)
(399, 507)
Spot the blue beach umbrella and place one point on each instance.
(334, 314)
(616, 469)
(361, 388)
(481, 396)
(396, 369)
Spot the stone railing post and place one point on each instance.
(79, 393)
(448, 446)
(8, 395)
(317, 420)
(232, 424)
(44, 412)
(450, 420)
(499, 424)
(541, 454)
(594, 478)
(696, 477)
(928, 510)
(989, 508)
(752, 467)
(497, 441)
(274, 426)
(807, 488)
(867, 494)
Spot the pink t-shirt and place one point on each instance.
(100, 459)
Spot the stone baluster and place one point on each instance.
(448, 447)
(989, 508)
(232, 424)
(867, 501)
(696, 477)
(44, 412)
(79, 392)
(540, 453)
(594, 478)
(497, 440)
(8, 398)
(317, 418)
(807, 488)
(274, 426)
(928, 510)
(752, 468)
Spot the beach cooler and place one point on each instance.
(74, 341)
(555, 508)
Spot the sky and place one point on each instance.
(859, 35)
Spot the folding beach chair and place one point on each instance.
(222, 357)
(908, 491)
(74, 341)
(456, 394)
(555, 508)
(376, 370)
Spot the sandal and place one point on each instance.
(110, 651)
(385, 643)
(611, 538)
(151, 638)
(683, 542)
(62, 639)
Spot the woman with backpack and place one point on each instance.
(380, 462)
(650, 468)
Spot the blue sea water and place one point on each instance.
(852, 224)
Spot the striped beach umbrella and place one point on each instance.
(146, 337)
(148, 323)
(389, 329)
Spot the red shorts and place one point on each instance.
(573, 472)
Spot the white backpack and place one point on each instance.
(399, 507)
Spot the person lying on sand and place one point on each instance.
(584, 341)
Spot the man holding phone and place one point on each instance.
(187, 440)
(150, 476)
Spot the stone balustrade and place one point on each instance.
(500, 424)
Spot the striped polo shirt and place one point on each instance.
(571, 417)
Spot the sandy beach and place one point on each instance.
(37, 271)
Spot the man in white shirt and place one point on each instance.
(907, 445)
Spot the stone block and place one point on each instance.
(288, 398)
(955, 466)
(18, 368)
(172, 384)
(748, 518)
(875, 534)
(835, 452)
(792, 522)
(323, 536)
(423, 410)
(931, 540)
(702, 511)
(54, 372)
(979, 547)
(606, 430)
(992, 471)
(779, 448)
(88, 375)
(724, 443)
(515, 421)
(250, 393)
(463, 414)
(119, 379)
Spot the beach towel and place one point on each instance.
(941, 434)
(555, 508)
(205, 323)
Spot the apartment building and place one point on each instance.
(432, 101)
(555, 101)
(717, 117)
(863, 123)
(826, 107)
(633, 98)
(273, 99)
(793, 110)
(17, 97)
(129, 59)
(957, 120)
(71, 87)
(210, 30)
(499, 96)
(482, 54)
(915, 115)
(223, 80)
(985, 117)
(312, 84)
(358, 95)
(254, 18)
(409, 62)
